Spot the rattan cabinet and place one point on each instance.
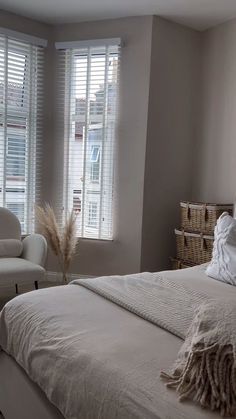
(195, 237)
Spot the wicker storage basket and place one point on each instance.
(194, 247)
(181, 264)
(202, 217)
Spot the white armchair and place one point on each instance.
(20, 261)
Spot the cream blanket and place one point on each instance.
(95, 359)
(206, 367)
(166, 303)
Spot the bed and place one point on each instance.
(68, 352)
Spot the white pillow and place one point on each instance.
(223, 263)
(10, 248)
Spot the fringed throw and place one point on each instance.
(205, 371)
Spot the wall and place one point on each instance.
(157, 131)
(172, 122)
(215, 164)
(123, 255)
(25, 25)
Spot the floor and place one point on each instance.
(7, 294)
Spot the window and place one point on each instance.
(92, 214)
(15, 161)
(95, 153)
(76, 202)
(21, 89)
(90, 115)
(95, 164)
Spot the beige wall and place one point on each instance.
(215, 165)
(172, 121)
(25, 25)
(156, 126)
(123, 255)
(160, 81)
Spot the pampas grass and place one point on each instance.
(63, 240)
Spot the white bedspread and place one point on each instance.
(94, 359)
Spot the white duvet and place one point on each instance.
(94, 359)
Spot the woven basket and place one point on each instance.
(194, 247)
(181, 264)
(202, 217)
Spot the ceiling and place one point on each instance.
(198, 14)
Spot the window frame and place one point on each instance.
(77, 116)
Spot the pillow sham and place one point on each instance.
(10, 248)
(223, 264)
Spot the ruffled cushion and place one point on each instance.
(223, 263)
(10, 248)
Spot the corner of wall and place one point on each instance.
(170, 137)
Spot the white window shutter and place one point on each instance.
(89, 93)
(21, 90)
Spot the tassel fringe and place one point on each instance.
(208, 377)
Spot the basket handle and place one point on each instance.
(184, 238)
(188, 211)
(204, 213)
(203, 242)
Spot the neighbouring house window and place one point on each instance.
(21, 90)
(90, 93)
(95, 164)
(92, 214)
(15, 159)
(77, 201)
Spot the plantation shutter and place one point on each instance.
(89, 74)
(21, 94)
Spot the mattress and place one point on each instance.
(94, 359)
(20, 398)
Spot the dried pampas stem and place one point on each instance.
(69, 240)
(62, 241)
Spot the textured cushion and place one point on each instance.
(17, 270)
(10, 248)
(9, 225)
(35, 249)
(223, 263)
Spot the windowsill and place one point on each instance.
(95, 240)
(23, 236)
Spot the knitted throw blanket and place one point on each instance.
(205, 370)
(167, 304)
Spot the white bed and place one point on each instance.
(19, 396)
(113, 356)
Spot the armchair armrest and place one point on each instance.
(35, 249)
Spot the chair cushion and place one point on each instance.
(17, 270)
(10, 248)
(9, 225)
